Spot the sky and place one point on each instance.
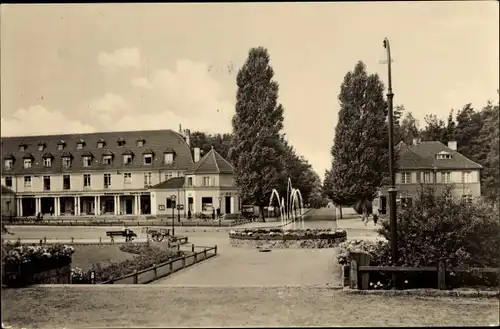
(114, 67)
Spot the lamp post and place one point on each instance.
(172, 197)
(178, 209)
(220, 210)
(392, 189)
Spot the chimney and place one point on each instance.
(452, 145)
(196, 154)
(187, 136)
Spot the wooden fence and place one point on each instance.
(82, 241)
(357, 275)
(159, 271)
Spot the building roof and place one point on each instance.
(171, 184)
(158, 141)
(6, 190)
(212, 163)
(423, 156)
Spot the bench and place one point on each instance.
(128, 234)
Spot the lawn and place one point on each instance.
(85, 256)
(161, 306)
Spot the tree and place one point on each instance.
(220, 142)
(409, 129)
(360, 150)
(256, 146)
(466, 132)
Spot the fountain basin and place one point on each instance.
(294, 238)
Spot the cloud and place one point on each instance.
(108, 104)
(37, 120)
(141, 83)
(125, 57)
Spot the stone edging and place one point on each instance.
(424, 293)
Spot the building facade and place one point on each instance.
(432, 164)
(97, 174)
(8, 203)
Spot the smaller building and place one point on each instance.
(8, 203)
(207, 186)
(432, 164)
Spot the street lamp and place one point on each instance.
(392, 189)
(172, 197)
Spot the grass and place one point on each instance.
(85, 256)
(160, 306)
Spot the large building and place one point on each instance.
(115, 173)
(432, 164)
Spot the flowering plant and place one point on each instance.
(15, 253)
(325, 233)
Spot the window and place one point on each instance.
(445, 177)
(206, 204)
(60, 147)
(66, 161)
(41, 147)
(405, 178)
(180, 174)
(170, 203)
(27, 163)
(47, 162)
(169, 158)
(427, 177)
(22, 148)
(442, 156)
(168, 175)
(466, 177)
(127, 159)
(190, 181)
(79, 146)
(100, 145)
(46, 183)
(206, 181)
(140, 143)
(66, 182)
(127, 178)
(86, 180)
(148, 159)
(120, 142)
(87, 161)
(9, 163)
(107, 159)
(107, 180)
(8, 181)
(27, 181)
(147, 179)
(467, 198)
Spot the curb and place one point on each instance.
(426, 293)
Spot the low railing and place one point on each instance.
(156, 272)
(149, 222)
(357, 275)
(101, 240)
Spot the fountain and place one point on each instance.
(288, 209)
(288, 235)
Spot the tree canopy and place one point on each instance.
(360, 149)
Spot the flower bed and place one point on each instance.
(145, 255)
(29, 264)
(294, 238)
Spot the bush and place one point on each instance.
(436, 227)
(147, 255)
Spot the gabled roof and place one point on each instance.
(107, 152)
(212, 163)
(156, 140)
(47, 155)
(423, 156)
(171, 184)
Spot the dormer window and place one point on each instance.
(443, 155)
(148, 157)
(101, 143)
(87, 159)
(127, 159)
(120, 142)
(140, 142)
(66, 161)
(168, 156)
(41, 146)
(60, 145)
(28, 163)
(8, 163)
(107, 159)
(22, 147)
(80, 144)
(47, 160)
